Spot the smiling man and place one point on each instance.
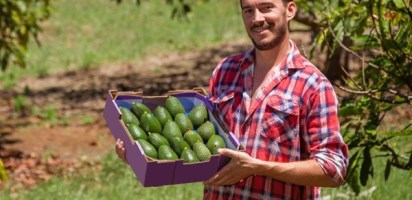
(282, 109)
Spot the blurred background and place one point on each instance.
(60, 58)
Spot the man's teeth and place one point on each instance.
(260, 29)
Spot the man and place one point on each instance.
(282, 109)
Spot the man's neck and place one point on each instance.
(266, 59)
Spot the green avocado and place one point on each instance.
(128, 117)
(157, 140)
(178, 144)
(166, 153)
(183, 122)
(201, 151)
(162, 115)
(214, 143)
(189, 156)
(136, 132)
(198, 115)
(150, 123)
(206, 130)
(149, 149)
(139, 109)
(192, 137)
(174, 106)
(171, 130)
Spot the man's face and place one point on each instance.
(266, 21)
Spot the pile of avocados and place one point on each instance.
(168, 133)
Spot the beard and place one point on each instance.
(279, 33)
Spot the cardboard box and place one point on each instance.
(159, 172)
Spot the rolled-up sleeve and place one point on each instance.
(323, 139)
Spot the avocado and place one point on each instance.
(171, 130)
(214, 143)
(198, 115)
(192, 137)
(201, 151)
(136, 132)
(157, 140)
(149, 149)
(150, 123)
(174, 106)
(178, 144)
(139, 108)
(183, 122)
(166, 153)
(162, 115)
(189, 156)
(128, 117)
(206, 130)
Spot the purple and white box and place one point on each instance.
(152, 172)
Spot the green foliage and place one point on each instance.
(19, 22)
(86, 119)
(3, 174)
(379, 32)
(50, 115)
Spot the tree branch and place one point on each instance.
(370, 93)
(309, 20)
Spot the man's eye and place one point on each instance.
(266, 8)
(247, 11)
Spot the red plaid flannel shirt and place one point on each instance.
(293, 117)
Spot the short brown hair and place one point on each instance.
(284, 2)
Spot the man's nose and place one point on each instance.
(258, 16)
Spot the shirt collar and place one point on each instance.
(287, 63)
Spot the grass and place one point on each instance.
(114, 180)
(85, 34)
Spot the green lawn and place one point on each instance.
(83, 34)
(115, 180)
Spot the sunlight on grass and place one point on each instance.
(87, 34)
(114, 181)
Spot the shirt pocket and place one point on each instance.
(281, 121)
(225, 105)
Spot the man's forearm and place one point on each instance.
(307, 172)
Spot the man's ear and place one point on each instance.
(291, 9)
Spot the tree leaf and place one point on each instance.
(399, 3)
(3, 173)
(387, 169)
(366, 166)
(354, 182)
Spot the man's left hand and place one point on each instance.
(240, 166)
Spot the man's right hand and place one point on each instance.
(120, 150)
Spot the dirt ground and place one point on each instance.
(34, 149)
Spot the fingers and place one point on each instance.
(229, 153)
(120, 150)
(223, 177)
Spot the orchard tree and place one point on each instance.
(19, 23)
(375, 37)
